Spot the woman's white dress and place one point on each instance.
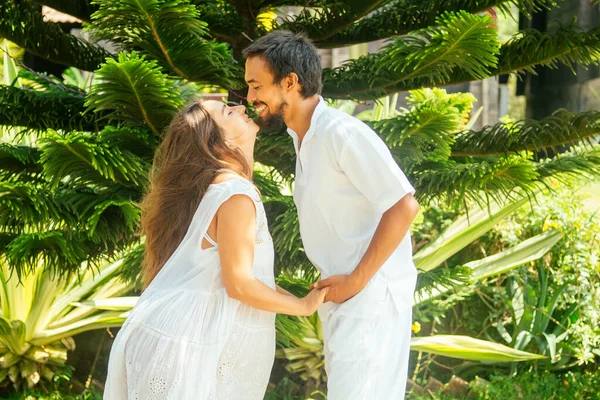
(186, 338)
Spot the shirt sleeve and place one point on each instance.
(369, 165)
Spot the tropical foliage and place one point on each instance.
(76, 152)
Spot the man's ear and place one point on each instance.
(290, 81)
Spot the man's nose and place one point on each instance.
(251, 96)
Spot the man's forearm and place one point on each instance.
(391, 230)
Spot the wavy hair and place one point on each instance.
(185, 164)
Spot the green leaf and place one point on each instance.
(468, 348)
(463, 232)
(110, 304)
(529, 250)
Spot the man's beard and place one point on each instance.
(273, 122)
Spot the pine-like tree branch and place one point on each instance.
(563, 127)
(567, 46)
(223, 21)
(46, 110)
(577, 162)
(18, 161)
(81, 9)
(401, 17)
(427, 58)
(323, 22)
(171, 34)
(79, 159)
(22, 23)
(135, 91)
(477, 180)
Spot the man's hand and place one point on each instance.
(340, 287)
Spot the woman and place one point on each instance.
(204, 328)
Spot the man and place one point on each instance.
(355, 207)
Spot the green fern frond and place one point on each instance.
(168, 31)
(135, 91)
(530, 48)
(131, 270)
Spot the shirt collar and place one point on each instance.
(321, 106)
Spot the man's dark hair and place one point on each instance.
(286, 52)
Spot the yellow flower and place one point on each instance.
(416, 327)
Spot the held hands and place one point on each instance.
(313, 300)
(341, 287)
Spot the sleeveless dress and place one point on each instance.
(186, 338)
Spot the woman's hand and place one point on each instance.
(313, 300)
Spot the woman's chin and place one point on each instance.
(254, 128)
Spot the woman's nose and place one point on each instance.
(240, 109)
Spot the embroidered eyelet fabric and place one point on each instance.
(186, 338)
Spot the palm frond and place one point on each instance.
(461, 41)
(529, 48)
(135, 91)
(168, 31)
(106, 217)
(561, 128)
(47, 39)
(56, 250)
(131, 270)
(427, 130)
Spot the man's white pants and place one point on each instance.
(367, 357)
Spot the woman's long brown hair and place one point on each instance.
(185, 164)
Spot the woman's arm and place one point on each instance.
(236, 234)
